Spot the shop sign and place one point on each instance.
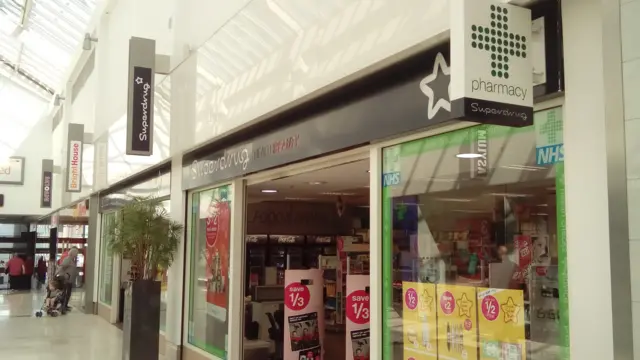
(492, 71)
(47, 182)
(74, 157)
(12, 171)
(142, 57)
(480, 143)
(549, 136)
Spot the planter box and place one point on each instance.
(141, 327)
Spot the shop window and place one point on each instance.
(106, 260)
(474, 252)
(164, 281)
(209, 282)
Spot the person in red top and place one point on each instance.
(15, 269)
(29, 266)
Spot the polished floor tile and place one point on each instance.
(74, 336)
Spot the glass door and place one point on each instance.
(214, 296)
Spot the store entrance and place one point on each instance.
(306, 249)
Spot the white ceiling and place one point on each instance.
(349, 180)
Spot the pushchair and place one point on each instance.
(54, 303)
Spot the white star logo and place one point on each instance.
(439, 64)
(139, 80)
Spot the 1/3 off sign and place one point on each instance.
(358, 307)
(296, 296)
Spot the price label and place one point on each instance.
(411, 298)
(358, 307)
(490, 308)
(296, 296)
(447, 303)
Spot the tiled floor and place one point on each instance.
(69, 337)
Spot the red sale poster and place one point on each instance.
(303, 315)
(524, 247)
(217, 231)
(358, 317)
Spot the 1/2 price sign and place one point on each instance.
(296, 296)
(358, 307)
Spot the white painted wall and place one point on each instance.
(25, 199)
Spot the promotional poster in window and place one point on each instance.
(218, 231)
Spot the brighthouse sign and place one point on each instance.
(74, 158)
(491, 68)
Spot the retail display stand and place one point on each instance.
(358, 317)
(303, 315)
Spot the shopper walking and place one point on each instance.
(67, 268)
(15, 269)
(41, 271)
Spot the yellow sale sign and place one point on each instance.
(419, 321)
(501, 316)
(457, 322)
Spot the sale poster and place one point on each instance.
(218, 232)
(524, 248)
(501, 324)
(419, 324)
(303, 314)
(358, 317)
(457, 322)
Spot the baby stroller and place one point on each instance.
(53, 304)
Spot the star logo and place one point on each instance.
(435, 84)
(511, 311)
(139, 80)
(465, 305)
(426, 301)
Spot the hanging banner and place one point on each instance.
(358, 317)
(12, 171)
(46, 183)
(142, 59)
(501, 324)
(491, 67)
(303, 314)
(74, 157)
(218, 232)
(457, 322)
(419, 324)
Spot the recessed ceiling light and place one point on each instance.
(368, 171)
(510, 195)
(269, 191)
(299, 199)
(317, 182)
(454, 199)
(468, 156)
(338, 194)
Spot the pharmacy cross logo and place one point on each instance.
(433, 84)
(498, 42)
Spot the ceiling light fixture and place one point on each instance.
(510, 195)
(317, 182)
(337, 194)
(454, 200)
(299, 199)
(269, 191)
(468, 156)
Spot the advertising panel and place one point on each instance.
(142, 58)
(218, 232)
(502, 324)
(457, 322)
(303, 314)
(12, 171)
(419, 324)
(358, 317)
(47, 183)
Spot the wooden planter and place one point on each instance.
(141, 327)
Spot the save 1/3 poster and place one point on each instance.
(457, 322)
(303, 315)
(419, 324)
(358, 316)
(501, 324)
(218, 229)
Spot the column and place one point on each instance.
(595, 178)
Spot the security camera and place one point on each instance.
(57, 100)
(86, 43)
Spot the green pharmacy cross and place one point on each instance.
(498, 41)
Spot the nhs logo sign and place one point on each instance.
(390, 179)
(548, 155)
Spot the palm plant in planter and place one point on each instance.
(145, 234)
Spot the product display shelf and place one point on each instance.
(333, 283)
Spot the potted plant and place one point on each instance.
(145, 234)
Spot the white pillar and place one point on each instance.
(595, 178)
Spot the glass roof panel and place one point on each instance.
(45, 44)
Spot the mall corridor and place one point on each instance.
(74, 336)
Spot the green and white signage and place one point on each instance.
(549, 139)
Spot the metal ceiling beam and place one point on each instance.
(26, 12)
